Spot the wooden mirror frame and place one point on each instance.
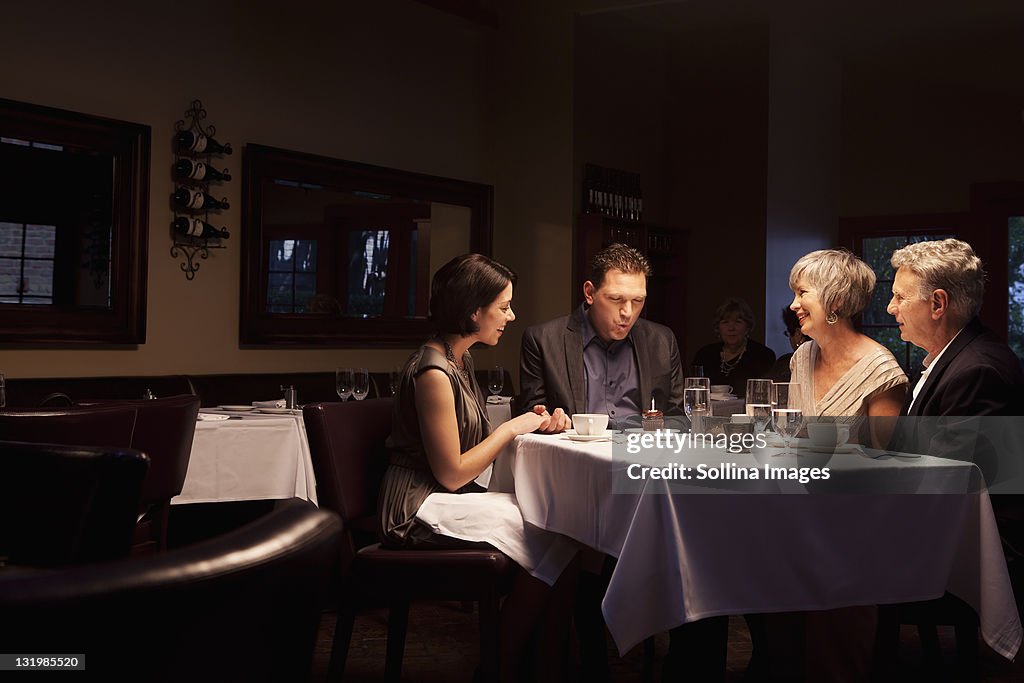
(124, 322)
(260, 163)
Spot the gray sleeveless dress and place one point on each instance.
(408, 480)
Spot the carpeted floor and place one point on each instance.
(442, 647)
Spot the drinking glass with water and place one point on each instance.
(787, 411)
(759, 403)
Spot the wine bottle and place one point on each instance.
(195, 199)
(197, 228)
(200, 144)
(197, 170)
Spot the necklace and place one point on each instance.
(450, 355)
(727, 366)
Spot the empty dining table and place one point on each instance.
(248, 455)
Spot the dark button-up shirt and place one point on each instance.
(613, 381)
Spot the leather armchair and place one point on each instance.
(241, 607)
(63, 505)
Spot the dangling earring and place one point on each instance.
(832, 318)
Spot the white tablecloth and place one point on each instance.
(691, 553)
(253, 458)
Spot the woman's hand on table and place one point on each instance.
(558, 421)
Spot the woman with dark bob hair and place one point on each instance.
(442, 441)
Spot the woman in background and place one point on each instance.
(736, 357)
(442, 441)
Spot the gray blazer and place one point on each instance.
(551, 365)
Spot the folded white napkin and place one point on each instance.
(279, 403)
(209, 417)
(499, 400)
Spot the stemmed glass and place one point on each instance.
(344, 381)
(787, 411)
(759, 402)
(495, 380)
(695, 403)
(394, 376)
(699, 381)
(361, 383)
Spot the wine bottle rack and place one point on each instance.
(195, 182)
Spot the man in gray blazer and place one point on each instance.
(604, 358)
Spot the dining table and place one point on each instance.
(248, 454)
(696, 536)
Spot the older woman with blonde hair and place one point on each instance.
(845, 374)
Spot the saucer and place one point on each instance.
(237, 409)
(605, 436)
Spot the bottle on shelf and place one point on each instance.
(196, 199)
(194, 227)
(199, 143)
(197, 170)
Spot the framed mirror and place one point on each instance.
(338, 253)
(73, 227)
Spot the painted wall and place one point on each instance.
(391, 83)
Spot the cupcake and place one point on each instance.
(653, 420)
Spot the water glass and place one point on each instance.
(759, 402)
(787, 411)
(361, 383)
(703, 382)
(697, 406)
(344, 381)
(495, 380)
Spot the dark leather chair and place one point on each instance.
(927, 616)
(70, 426)
(164, 429)
(347, 444)
(65, 505)
(242, 607)
(31, 392)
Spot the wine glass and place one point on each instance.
(344, 380)
(495, 380)
(787, 411)
(394, 377)
(759, 402)
(361, 383)
(695, 404)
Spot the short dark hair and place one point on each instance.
(463, 285)
(790, 319)
(617, 257)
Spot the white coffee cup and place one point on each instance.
(587, 424)
(828, 434)
(721, 389)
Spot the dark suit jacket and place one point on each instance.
(977, 377)
(551, 365)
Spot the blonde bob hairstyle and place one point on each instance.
(842, 281)
(950, 265)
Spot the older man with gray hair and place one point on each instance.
(969, 371)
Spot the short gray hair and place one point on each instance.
(950, 265)
(842, 281)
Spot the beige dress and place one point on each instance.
(874, 373)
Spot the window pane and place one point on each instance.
(304, 256)
(279, 292)
(280, 256)
(1016, 279)
(875, 313)
(367, 272)
(305, 288)
(889, 337)
(40, 240)
(878, 251)
(10, 278)
(38, 278)
(10, 239)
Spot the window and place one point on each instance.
(1015, 276)
(26, 263)
(291, 281)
